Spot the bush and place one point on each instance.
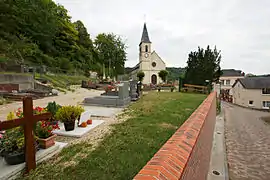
(140, 75)
(69, 113)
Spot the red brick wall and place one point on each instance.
(9, 87)
(186, 155)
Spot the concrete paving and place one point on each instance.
(247, 143)
(218, 169)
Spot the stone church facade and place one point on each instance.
(149, 61)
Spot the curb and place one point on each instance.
(218, 169)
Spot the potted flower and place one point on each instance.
(12, 146)
(52, 107)
(68, 115)
(44, 134)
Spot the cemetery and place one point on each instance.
(20, 150)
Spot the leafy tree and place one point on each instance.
(140, 75)
(111, 53)
(203, 65)
(41, 33)
(163, 75)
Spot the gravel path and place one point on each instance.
(248, 143)
(73, 98)
(70, 98)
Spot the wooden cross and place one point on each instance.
(28, 122)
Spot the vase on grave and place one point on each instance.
(69, 126)
(68, 115)
(48, 142)
(14, 158)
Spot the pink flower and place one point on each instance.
(1, 136)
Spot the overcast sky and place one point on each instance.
(239, 28)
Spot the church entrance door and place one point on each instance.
(154, 79)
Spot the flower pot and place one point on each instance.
(69, 126)
(14, 158)
(46, 143)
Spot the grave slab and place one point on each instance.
(78, 131)
(102, 111)
(12, 171)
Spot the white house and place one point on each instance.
(252, 92)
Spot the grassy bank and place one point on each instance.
(61, 80)
(152, 121)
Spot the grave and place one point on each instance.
(98, 111)
(12, 171)
(121, 100)
(78, 131)
(133, 90)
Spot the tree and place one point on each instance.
(140, 75)
(163, 75)
(203, 65)
(111, 53)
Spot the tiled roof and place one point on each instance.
(257, 82)
(231, 72)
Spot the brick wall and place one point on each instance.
(186, 155)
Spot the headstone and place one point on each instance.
(121, 100)
(55, 92)
(133, 90)
(139, 88)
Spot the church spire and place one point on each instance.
(145, 37)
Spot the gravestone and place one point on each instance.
(133, 90)
(122, 99)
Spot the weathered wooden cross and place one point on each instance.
(28, 122)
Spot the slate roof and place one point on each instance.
(145, 36)
(258, 82)
(231, 72)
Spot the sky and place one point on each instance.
(239, 28)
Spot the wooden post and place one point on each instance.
(30, 151)
(28, 122)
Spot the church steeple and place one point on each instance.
(145, 37)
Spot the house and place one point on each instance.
(252, 92)
(149, 61)
(227, 79)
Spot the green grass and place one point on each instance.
(22, 74)
(152, 121)
(62, 81)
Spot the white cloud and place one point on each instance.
(239, 28)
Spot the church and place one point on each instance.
(149, 61)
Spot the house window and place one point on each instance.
(266, 104)
(266, 90)
(227, 82)
(250, 103)
(222, 82)
(146, 48)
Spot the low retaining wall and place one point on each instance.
(186, 155)
(24, 81)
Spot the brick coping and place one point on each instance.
(171, 160)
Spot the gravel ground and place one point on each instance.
(70, 98)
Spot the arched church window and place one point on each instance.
(146, 48)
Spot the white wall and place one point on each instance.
(242, 96)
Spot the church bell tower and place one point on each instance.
(145, 45)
